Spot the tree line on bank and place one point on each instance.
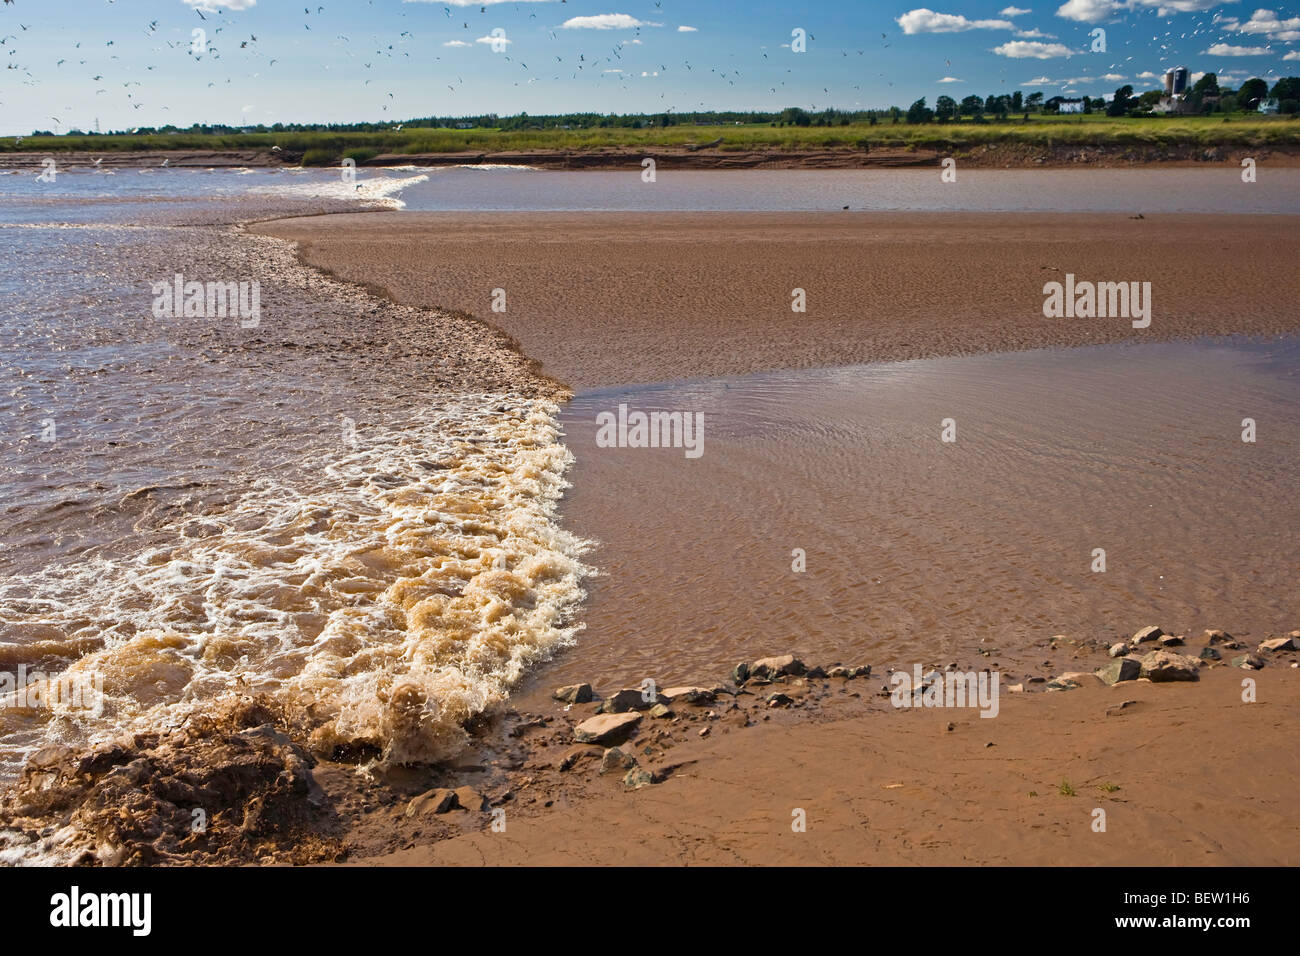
(1206, 96)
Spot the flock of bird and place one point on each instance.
(233, 51)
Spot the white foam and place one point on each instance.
(375, 189)
(408, 592)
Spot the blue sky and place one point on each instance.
(129, 63)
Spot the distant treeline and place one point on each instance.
(1207, 96)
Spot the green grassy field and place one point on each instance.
(1095, 129)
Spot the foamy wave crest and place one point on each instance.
(374, 189)
(403, 596)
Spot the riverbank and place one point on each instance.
(992, 155)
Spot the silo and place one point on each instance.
(1169, 83)
(1180, 81)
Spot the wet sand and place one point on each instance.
(1197, 775)
(615, 298)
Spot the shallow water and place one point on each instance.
(919, 549)
(345, 504)
(1218, 190)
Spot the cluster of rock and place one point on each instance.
(1147, 655)
(619, 716)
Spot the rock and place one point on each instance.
(574, 694)
(1125, 668)
(1016, 689)
(616, 760)
(1171, 640)
(571, 759)
(770, 667)
(840, 671)
(1210, 654)
(1147, 634)
(1062, 683)
(779, 700)
(1118, 650)
(1218, 637)
(638, 777)
(740, 673)
(687, 695)
(1251, 661)
(661, 711)
(1276, 644)
(1165, 666)
(1120, 709)
(1079, 677)
(816, 672)
(704, 731)
(606, 728)
(438, 800)
(863, 671)
(629, 698)
(471, 799)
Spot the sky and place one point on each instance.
(131, 63)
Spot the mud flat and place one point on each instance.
(618, 298)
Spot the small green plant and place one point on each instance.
(1033, 793)
(1109, 787)
(1066, 790)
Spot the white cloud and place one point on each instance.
(923, 20)
(687, 30)
(1266, 23)
(606, 21)
(211, 6)
(1293, 55)
(1040, 81)
(1025, 49)
(1113, 77)
(1166, 7)
(457, 43)
(1087, 11)
(951, 79)
(1035, 34)
(459, 3)
(1092, 11)
(500, 41)
(1014, 11)
(1147, 75)
(1227, 49)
